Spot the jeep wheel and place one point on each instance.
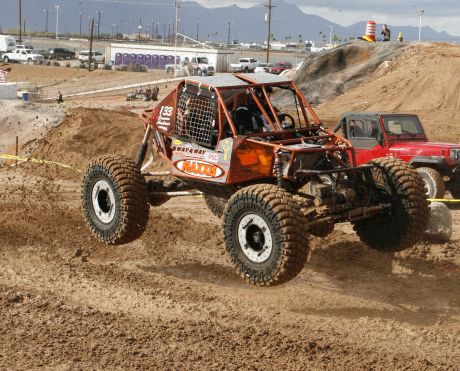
(399, 185)
(29, 60)
(115, 199)
(263, 233)
(455, 191)
(434, 184)
(215, 204)
(6, 59)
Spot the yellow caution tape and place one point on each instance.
(442, 200)
(34, 160)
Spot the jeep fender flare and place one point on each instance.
(437, 162)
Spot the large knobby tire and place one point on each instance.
(115, 199)
(405, 221)
(434, 183)
(455, 191)
(264, 234)
(215, 204)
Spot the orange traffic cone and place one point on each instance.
(370, 31)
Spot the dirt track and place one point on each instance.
(171, 300)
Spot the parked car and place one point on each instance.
(97, 57)
(263, 67)
(244, 65)
(22, 55)
(25, 46)
(279, 67)
(60, 53)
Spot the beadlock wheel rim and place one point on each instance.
(103, 200)
(428, 188)
(255, 238)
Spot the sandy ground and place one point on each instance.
(50, 79)
(171, 299)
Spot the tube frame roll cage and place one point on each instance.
(279, 140)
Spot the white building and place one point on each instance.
(156, 57)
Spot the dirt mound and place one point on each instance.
(424, 79)
(88, 133)
(323, 76)
(27, 121)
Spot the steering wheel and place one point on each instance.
(286, 124)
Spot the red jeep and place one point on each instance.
(375, 135)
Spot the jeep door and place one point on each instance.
(365, 133)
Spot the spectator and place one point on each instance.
(386, 32)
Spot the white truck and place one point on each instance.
(7, 44)
(22, 55)
(244, 65)
(196, 66)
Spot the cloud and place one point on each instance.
(437, 14)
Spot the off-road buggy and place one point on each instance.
(258, 152)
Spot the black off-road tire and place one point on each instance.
(455, 191)
(282, 224)
(115, 199)
(404, 223)
(434, 183)
(6, 59)
(215, 204)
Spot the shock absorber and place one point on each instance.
(278, 169)
(143, 148)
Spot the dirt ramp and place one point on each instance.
(326, 75)
(88, 133)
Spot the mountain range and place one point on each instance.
(214, 24)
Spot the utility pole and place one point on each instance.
(57, 20)
(164, 32)
(139, 28)
(269, 6)
(20, 21)
(228, 35)
(46, 21)
(197, 34)
(177, 4)
(98, 23)
(91, 33)
(152, 31)
(420, 13)
(330, 35)
(81, 19)
(24, 28)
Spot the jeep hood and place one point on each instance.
(419, 148)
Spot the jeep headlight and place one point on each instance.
(455, 153)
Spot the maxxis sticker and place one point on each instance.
(198, 168)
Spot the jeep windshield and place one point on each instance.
(403, 126)
(202, 60)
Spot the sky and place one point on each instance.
(441, 15)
